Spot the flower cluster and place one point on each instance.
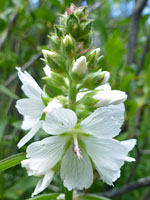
(76, 108)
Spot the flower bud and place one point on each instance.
(106, 76)
(54, 60)
(54, 79)
(96, 52)
(106, 98)
(80, 66)
(93, 58)
(68, 45)
(94, 79)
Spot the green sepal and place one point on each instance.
(52, 91)
(43, 116)
(54, 41)
(93, 80)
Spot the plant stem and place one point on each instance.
(72, 95)
(68, 194)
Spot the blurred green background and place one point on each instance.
(122, 31)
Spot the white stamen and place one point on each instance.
(76, 148)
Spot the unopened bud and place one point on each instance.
(96, 52)
(106, 98)
(54, 60)
(106, 76)
(80, 66)
(94, 79)
(93, 58)
(68, 45)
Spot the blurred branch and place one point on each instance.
(145, 152)
(134, 26)
(8, 31)
(24, 67)
(95, 6)
(142, 58)
(142, 182)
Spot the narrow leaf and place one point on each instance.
(11, 161)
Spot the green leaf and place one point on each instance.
(45, 197)
(90, 197)
(7, 92)
(11, 161)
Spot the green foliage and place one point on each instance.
(11, 161)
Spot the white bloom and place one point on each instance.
(74, 144)
(32, 107)
(106, 96)
(80, 66)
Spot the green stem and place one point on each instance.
(72, 95)
(68, 194)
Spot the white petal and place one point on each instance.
(45, 154)
(108, 156)
(129, 144)
(47, 70)
(30, 135)
(129, 159)
(105, 87)
(75, 173)
(43, 183)
(52, 104)
(59, 121)
(29, 87)
(104, 122)
(30, 107)
(106, 98)
(29, 122)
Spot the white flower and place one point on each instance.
(74, 144)
(80, 66)
(32, 107)
(106, 96)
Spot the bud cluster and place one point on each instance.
(72, 68)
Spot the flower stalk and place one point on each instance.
(68, 194)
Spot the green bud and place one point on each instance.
(73, 25)
(87, 100)
(86, 26)
(60, 30)
(94, 79)
(54, 41)
(93, 58)
(68, 45)
(54, 60)
(56, 80)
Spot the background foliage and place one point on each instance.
(122, 30)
